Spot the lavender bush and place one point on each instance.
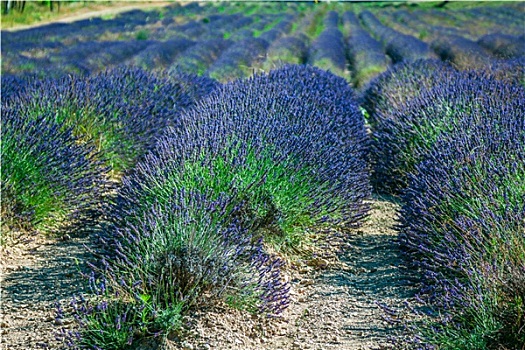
(401, 83)
(49, 181)
(256, 163)
(288, 142)
(163, 257)
(503, 46)
(121, 126)
(404, 136)
(463, 218)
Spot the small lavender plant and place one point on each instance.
(184, 251)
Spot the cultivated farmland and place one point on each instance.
(250, 175)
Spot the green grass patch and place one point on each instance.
(142, 34)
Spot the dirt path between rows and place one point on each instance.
(334, 301)
(34, 276)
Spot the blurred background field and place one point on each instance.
(228, 40)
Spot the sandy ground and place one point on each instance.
(334, 298)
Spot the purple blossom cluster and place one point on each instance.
(463, 214)
(365, 54)
(400, 47)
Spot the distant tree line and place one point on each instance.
(19, 5)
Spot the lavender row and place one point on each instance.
(282, 28)
(51, 183)
(451, 45)
(162, 54)
(385, 100)
(290, 49)
(236, 61)
(365, 54)
(328, 49)
(121, 112)
(398, 46)
(463, 52)
(501, 19)
(200, 56)
(395, 150)
(503, 46)
(463, 212)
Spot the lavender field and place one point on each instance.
(165, 169)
